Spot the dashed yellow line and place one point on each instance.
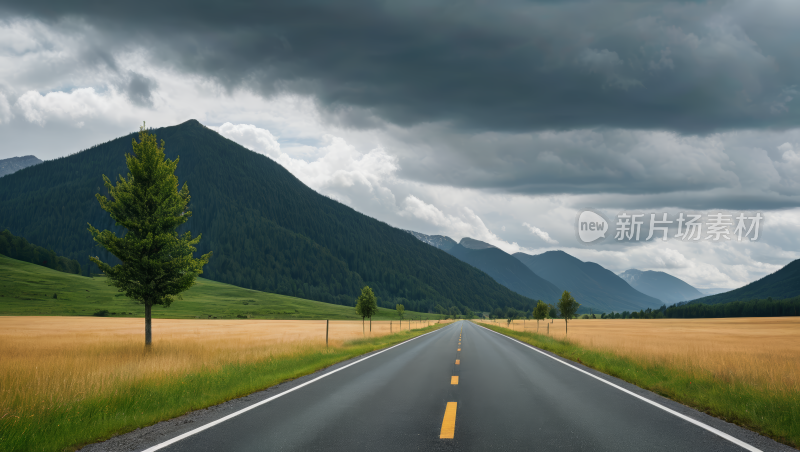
(454, 380)
(449, 421)
(459, 349)
(458, 361)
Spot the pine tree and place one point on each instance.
(157, 264)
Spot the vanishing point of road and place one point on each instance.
(462, 387)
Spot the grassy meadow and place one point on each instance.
(28, 289)
(742, 370)
(69, 381)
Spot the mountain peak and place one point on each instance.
(191, 123)
(473, 244)
(660, 285)
(14, 164)
(439, 241)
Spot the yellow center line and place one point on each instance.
(458, 361)
(454, 380)
(459, 349)
(449, 421)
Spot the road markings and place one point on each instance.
(449, 421)
(458, 361)
(454, 380)
(707, 427)
(258, 404)
(459, 349)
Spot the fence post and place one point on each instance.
(327, 328)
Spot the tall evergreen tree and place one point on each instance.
(157, 264)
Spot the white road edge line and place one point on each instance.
(258, 404)
(711, 429)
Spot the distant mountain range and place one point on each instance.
(14, 164)
(783, 284)
(663, 286)
(439, 241)
(591, 284)
(498, 264)
(506, 270)
(268, 230)
(545, 276)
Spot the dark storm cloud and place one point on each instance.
(510, 66)
(139, 89)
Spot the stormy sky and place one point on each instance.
(499, 121)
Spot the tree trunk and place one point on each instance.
(362, 326)
(370, 324)
(148, 329)
(566, 327)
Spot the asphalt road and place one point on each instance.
(508, 396)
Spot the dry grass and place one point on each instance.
(57, 361)
(762, 352)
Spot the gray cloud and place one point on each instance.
(139, 89)
(512, 66)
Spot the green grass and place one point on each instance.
(773, 413)
(27, 289)
(57, 428)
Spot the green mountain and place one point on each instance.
(663, 286)
(783, 284)
(28, 289)
(498, 264)
(268, 230)
(592, 285)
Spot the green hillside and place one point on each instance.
(268, 231)
(783, 284)
(28, 289)
(19, 248)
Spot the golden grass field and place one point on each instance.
(763, 352)
(56, 361)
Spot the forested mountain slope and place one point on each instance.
(508, 271)
(268, 230)
(783, 284)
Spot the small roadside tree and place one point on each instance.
(511, 315)
(540, 312)
(366, 306)
(157, 264)
(400, 310)
(567, 307)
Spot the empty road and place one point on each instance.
(463, 387)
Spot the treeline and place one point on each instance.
(693, 310)
(641, 314)
(752, 308)
(19, 248)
